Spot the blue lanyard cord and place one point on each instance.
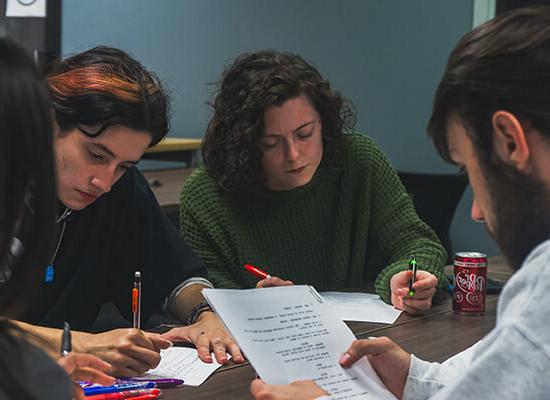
(50, 270)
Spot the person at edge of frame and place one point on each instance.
(490, 117)
(27, 174)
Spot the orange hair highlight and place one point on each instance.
(87, 80)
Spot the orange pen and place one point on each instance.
(136, 300)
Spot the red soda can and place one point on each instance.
(470, 270)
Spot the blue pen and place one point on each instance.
(119, 386)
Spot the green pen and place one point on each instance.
(412, 265)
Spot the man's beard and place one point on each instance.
(521, 211)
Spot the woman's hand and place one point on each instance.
(273, 281)
(85, 367)
(424, 290)
(209, 336)
(130, 351)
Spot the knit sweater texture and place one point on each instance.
(352, 224)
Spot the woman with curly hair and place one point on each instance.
(289, 186)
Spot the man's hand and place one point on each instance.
(209, 336)
(273, 281)
(390, 361)
(299, 390)
(424, 290)
(85, 367)
(130, 352)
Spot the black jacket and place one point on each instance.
(103, 245)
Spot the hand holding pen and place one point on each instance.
(130, 352)
(266, 279)
(412, 267)
(82, 366)
(412, 290)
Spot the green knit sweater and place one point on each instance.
(350, 225)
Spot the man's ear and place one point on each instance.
(509, 140)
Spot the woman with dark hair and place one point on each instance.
(288, 185)
(27, 180)
(108, 110)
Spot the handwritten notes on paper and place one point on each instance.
(183, 363)
(288, 333)
(361, 307)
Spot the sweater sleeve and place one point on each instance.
(203, 230)
(425, 378)
(397, 230)
(507, 364)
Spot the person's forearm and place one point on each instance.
(49, 339)
(187, 299)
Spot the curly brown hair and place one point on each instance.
(252, 83)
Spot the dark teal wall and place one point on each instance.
(386, 56)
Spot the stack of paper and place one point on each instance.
(365, 307)
(288, 333)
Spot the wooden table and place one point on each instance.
(176, 149)
(434, 336)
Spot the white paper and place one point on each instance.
(365, 307)
(26, 8)
(182, 363)
(289, 334)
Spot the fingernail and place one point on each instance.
(171, 344)
(344, 358)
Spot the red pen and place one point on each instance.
(257, 271)
(144, 397)
(127, 395)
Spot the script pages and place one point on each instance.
(289, 334)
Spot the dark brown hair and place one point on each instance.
(105, 86)
(252, 83)
(27, 187)
(504, 64)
